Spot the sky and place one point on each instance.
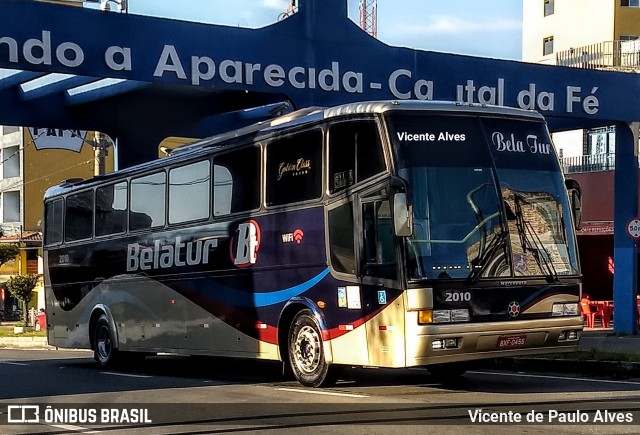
(490, 28)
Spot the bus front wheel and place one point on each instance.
(306, 354)
(104, 351)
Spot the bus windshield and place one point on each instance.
(488, 198)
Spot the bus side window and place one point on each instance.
(355, 153)
(379, 249)
(341, 244)
(236, 181)
(148, 201)
(190, 192)
(294, 168)
(78, 224)
(53, 222)
(111, 209)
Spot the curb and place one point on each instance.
(25, 343)
(586, 367)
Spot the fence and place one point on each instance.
(619, 55)
(589, 163)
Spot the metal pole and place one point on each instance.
(100, 154)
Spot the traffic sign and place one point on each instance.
(633, 228)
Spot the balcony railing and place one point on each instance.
(589, 163)
(618, 55)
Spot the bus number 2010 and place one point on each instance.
(457, 296)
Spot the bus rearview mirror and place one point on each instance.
(402, 215)
(575, 201)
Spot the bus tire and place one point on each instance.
(448, 371)
(104, 351)
(306, 353)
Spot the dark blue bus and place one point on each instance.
(388, 234)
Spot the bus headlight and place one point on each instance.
(460, 315)
(569, 309)
(446, 343)
(441, 316)
(426, 317)
(571, 335)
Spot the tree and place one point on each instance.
(8, 252)
(21, 287)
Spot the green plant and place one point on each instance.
(21, 323)
(21, 287)
(8, 252)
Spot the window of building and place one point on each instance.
(8, 129)
(355, 153)
(11, 162)
(11, 206)
(548, 7)
(190, 192)
(630, 3)
(32, 254)
(629, 37)
(53, 225)
(148, 201)
(236, 181)
(547, 45)
(111, 209)
(294, 168)
(78, 223)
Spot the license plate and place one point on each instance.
(510, 341)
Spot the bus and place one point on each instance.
(377, 234)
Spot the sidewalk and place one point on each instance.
(600, 353)
(604, 340)
(24, 343)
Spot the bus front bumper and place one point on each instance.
(437, 344)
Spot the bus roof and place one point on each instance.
(300, 117)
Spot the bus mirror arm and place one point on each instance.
(398, 184)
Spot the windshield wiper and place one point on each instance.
(530, 241)
(486, 250)
(482, 261)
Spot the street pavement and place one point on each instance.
(603, 353)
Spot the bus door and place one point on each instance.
(380, 277)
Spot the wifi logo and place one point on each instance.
(298, 235)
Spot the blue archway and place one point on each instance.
(168, 78)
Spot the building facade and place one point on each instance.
(580, 32)
(593, 34)
(32, 160)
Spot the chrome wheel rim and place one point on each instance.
(307, 350)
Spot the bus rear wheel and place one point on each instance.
(306, 353)
(104, 351)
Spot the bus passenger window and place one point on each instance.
(294, 168)
(355, 153)
(341, 245)
(53, 222)
(111, 209)
(236, 181)
(148, 201)
(189, 192)
(78, 224)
